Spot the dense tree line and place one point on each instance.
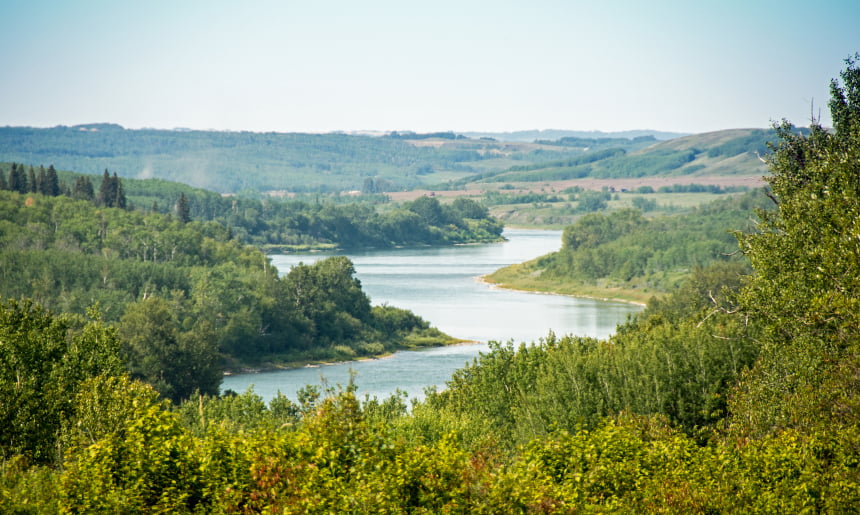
(624, 249)
(618, 158)
(45, 182)
(185, 294)
(332, 221)
(737, 393)
(247, 163)
(232, 162)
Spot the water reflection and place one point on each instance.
(440, 285)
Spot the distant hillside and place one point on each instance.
(554, 134)
(230, 162)
(729, 152)
(236, 162)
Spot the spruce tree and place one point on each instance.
(17, 179)
(182, 209)
(3, 184)
(83, 189)
(106, 189)
(89, 192)
(52, 182)
(32, 185)
(78, 188)
(118, 193)
(41, 181)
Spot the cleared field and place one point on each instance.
(617, 185)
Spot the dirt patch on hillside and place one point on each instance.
(589, 184)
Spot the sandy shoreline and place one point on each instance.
(483, 280)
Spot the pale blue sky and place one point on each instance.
(462, 65)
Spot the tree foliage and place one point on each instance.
(44, 359)
(635, 424)
(186, 295)
(806, 286)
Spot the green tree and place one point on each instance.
(17, 179)
(429, 209)
(32, 183)
(83, 189)
(329, 298)
(182, 209)
(176, 364)
(43, 359)
(806, 285)
(591, 201)
(106, 191)
(52, 182)
(119, 193)
(468, 208)
(132, 456)
(111, 193)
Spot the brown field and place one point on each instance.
(591, 184)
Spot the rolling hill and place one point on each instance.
(237, 162)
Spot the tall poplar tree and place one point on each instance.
(806, 285)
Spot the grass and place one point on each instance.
(558, 215)
(417, 339)
(527, 277)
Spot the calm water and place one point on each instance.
(441, 285)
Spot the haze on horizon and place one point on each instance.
(335, 65)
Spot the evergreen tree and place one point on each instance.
(118, 193)
(83, 189)
(41, 181)
(32, 185)
(106, 189)
(52, 182)
(17, 179)
(182, 209)
(111, 193)
(3, 184)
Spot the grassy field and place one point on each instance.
(527, 277)
(557, 215)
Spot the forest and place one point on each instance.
(736, 392)
(330, 222)
(622, 254)
(235, 162)
(248, 164)
(188, 295)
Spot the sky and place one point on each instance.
(461, 65)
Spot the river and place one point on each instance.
(442, 286)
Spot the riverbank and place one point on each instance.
(336, 355)
(331, 248)
(527, 277)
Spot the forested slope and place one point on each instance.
(235, 162)
(624, 255)
(329, 222)
(186, 294)
(250, 163)
(729, 152)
